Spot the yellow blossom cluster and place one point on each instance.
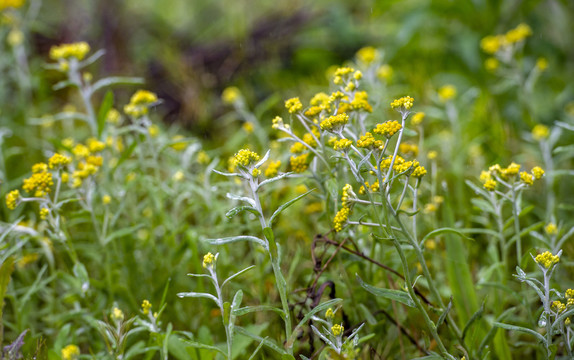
(337, 329)
(343, 215)
(278, 123)
(361, 102)
(77, 50)
(245, 157)
(551, 229)
(208, 260)
(446, 93)
(335, 123)
(4, 4)
(293, 105)
(299, 163)
(329, 314)
(492, 44)
(540, 132)
(367, 55)
(418, 118)
(404, 102)
(117, 315)
(230, 95)
(146, 307)
(368, 141)
(546, 259)
(388, 128)
(509, 173)
(58, 160)
(70, 352)
(374, 187)
(40, 182)
(409, 149)
(342, 144)
(385, 72)
(558, 306)
(12, 199)
(272, 168)
(140, 102)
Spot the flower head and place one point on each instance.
(546, 259)
(12, 199)
(551, 229)
(117, 315)
(230, 95)
(272, 168)
(70, 352)
(335, 123)
(540, 132)
(446, 93)
(146, 307)
(293, 105)
(140, 102)
(367, 55)
(77, 50)
(388, 128)
(208, 260)
(337, 329)
(403, 103)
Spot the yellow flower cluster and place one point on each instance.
(509, 173)
(385, 72)
(540, 132)
(12, 199)
(367, 55)
(4, 4)
(386, 162)
(337, 329)
(368, 141)
(404, 102)
(44, 212)
(146, 307)
(117, 315)
(230, 95)
(297, 148)
(409, 149)
(329, 314)
(344, 73)
(546, 259)
(388, 128)
(335, 123)
(208, 260)
(492, 44)
(40, 182)
(278, 123)
(343, 215)
(342, 144)
(113, 116)
(89, 163)
(245, 157)
(558, 306)
(569, 294)
(70, 352)
(446, 93)
(59, 160)
(374, 187)
(299, 163)
(272, 168)
(293, 105)
(77, 50)
(551, 229)
(418, 118)
(359, 102)
(527, 178)
(140, 103)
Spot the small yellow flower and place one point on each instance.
(77, 50)
(15, 37)
(245, 157)
(248, 127)
(537, 172)
(541, 64)
(432, 155)
(255, 172)
(446, 93)
(293, 105)
(388, 128)
(70, 352)
(230, 95)
(12, 199)
(490, 185)
(430, 244)
(404, 102)
(342, 144)
(208, 260)
(551, 229)
(117, 315)
(337, 329)
(540, 132)
(153, 130)
(178, 176)
(385, 72)
(146, 306)
(491, 64)
(558, 306)
(418, 118)
(140, 102)
(106, 199)
(113, 116)
(329, 314)
(272, 168)
(527, 178)
(44, 212)
(59, 160)
(569, 294)
(367, 55)
(299, 163)
(203, 158)
(546, 259)
(335, 123)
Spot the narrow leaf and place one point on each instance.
(396, 295)
(285, 206)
